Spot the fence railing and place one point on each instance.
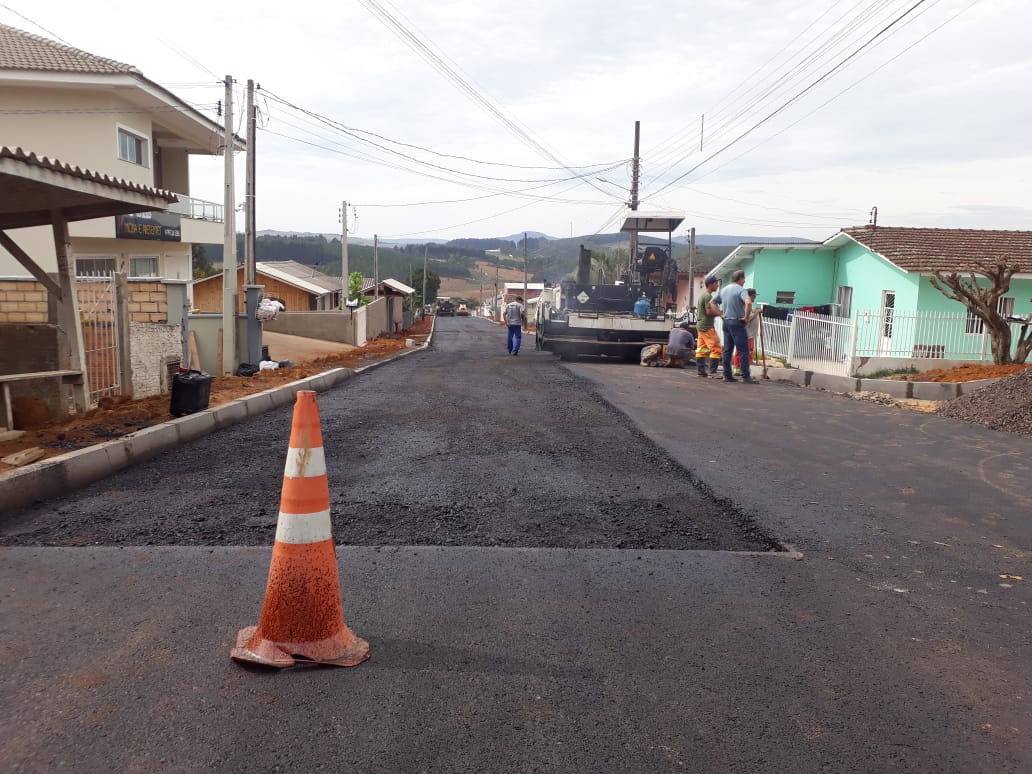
(197, 209)
(835, 344)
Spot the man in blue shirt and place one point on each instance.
(736, 309)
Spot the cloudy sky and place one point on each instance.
(480, 118)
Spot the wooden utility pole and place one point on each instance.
(229, 252)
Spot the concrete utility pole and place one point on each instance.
(633, 204)
(344, 269)
(229, 253)
(691, 269)
(376, 266)
(252, 291)
(498, 260)
(524, 272)
(424, 274)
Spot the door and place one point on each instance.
(888, 310)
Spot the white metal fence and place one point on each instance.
(99, 318)
(835, 344)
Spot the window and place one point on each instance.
(95, 267)
(845, 301)
(132, 147)
(143, 266)
(973, 324)
(784, 297)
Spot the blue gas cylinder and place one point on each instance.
(642, 307)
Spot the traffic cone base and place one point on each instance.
(331, 652)
(302, 617)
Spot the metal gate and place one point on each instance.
(98, 316)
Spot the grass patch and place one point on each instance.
(889, 373)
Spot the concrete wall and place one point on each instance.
(27, 349)
(869, 365)
(349, 326)
(207, 330)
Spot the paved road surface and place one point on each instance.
(891, 646)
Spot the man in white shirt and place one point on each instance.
(515, 317)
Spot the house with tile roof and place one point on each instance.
(106, 116)
(881, 273)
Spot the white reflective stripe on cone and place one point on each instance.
(305, 463)
(303, 527)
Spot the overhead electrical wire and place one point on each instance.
(507, 119)
(799, 95)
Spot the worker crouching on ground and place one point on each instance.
(680, 346)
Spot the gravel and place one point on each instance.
(1004, 405)
(459, 445)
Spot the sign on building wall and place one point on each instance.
(164, 226)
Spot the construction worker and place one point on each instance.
(708, 343)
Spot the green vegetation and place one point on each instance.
(201, 264)
(433, 284)
(889, 373)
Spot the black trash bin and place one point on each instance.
(265, 351)
(191, 391)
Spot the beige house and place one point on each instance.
(69, 113)
(105, 116)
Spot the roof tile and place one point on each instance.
(24, 51)
(945, 249)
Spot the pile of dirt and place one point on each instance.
(969, 373)
(115, 417)
(1005, 405)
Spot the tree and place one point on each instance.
(610, 265)
(433, 284)
(201, 264)
(355, 288)
(983, 301)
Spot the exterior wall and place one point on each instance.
(808, 273)
(94, 142)
(207, 294)
(174, 259)
(151, 346)
(148, 302)
(22, 301)
(174, 170)
(28, 349)
(869, 274)
(328, 326)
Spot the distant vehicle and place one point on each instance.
(445, 309)
(462, 311)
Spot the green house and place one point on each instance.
(878, 278)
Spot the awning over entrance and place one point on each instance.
(37, 191)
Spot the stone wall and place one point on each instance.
(151, 347)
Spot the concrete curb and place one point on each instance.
(68, 472)
(938, 391)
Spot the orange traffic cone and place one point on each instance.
(302, 617)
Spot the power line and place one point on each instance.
(36, 24)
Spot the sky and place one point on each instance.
(484, 118)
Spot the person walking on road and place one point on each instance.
(736, 310)
(515, 318)
(708, 347)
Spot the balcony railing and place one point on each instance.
(197, 209)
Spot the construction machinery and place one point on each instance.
(581, 317)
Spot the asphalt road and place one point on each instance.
(894, 645)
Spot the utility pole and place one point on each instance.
(691, 269)
(633, 204)
(229, 253)
(344, 253)
(524, 271)
(494, 303)
(251, 290)
(376, 266)
(424, 274)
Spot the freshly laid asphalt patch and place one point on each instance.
(461, 445)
